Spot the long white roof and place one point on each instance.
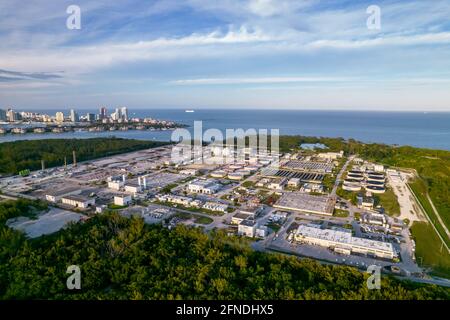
(341, 237)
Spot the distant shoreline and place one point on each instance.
(423, 130)
(20, 129)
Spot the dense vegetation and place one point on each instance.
(20, 155)
(10, 240)
(123, 258)
(20, 208)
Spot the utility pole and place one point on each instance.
(42, 165)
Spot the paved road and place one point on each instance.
(339, 176)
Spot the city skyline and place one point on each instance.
(101, 114)
(226, 54)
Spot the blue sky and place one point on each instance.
(304, 54)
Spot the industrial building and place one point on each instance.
(294, 182)
(218, 174)
(253, 210)
(343, 242)
(365, 202)
(371, 180)
(375, 219)
(310, 166)
(215, 206)
(239, 217)
(184, 201)
(78, 201)
(122, 200)
(312, 177)
(236, 176)
(331, 155)
(204, 186)
(133, 188)
(312, 187)
(189, 172)
(116, 183)
(306, 203)
(55, 196)
(277, 184)
(247, 228)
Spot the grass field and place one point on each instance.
(348, 195)
(428, 249)
(340, 213)
(389, 202)
(202, 220)
(274, 226)
(113, 206)
(420, 191)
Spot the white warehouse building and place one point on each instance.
(122, 200)
(344, 242)
(78, 201)
(204, 186)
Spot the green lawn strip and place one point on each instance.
(429, 251)
(341, 213)
(418, 188)
(389, 202)
(115, 206)
(274, 226)
(202, 219)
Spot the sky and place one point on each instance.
(262, 54)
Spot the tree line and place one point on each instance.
(21, 155)
(123, 258)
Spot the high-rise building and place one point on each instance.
(2, 115)
(59, 117)
(103, 113)
(90, 117)
(74, 116)
(12, 116)
(124, 112)
(116, 115)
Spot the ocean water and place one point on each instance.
(426, 130)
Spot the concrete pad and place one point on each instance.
(47, 223)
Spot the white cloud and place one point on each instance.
(260, 80)
(238, 42)
(87, 58)
(420, 39)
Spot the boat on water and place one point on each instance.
(189, 111)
